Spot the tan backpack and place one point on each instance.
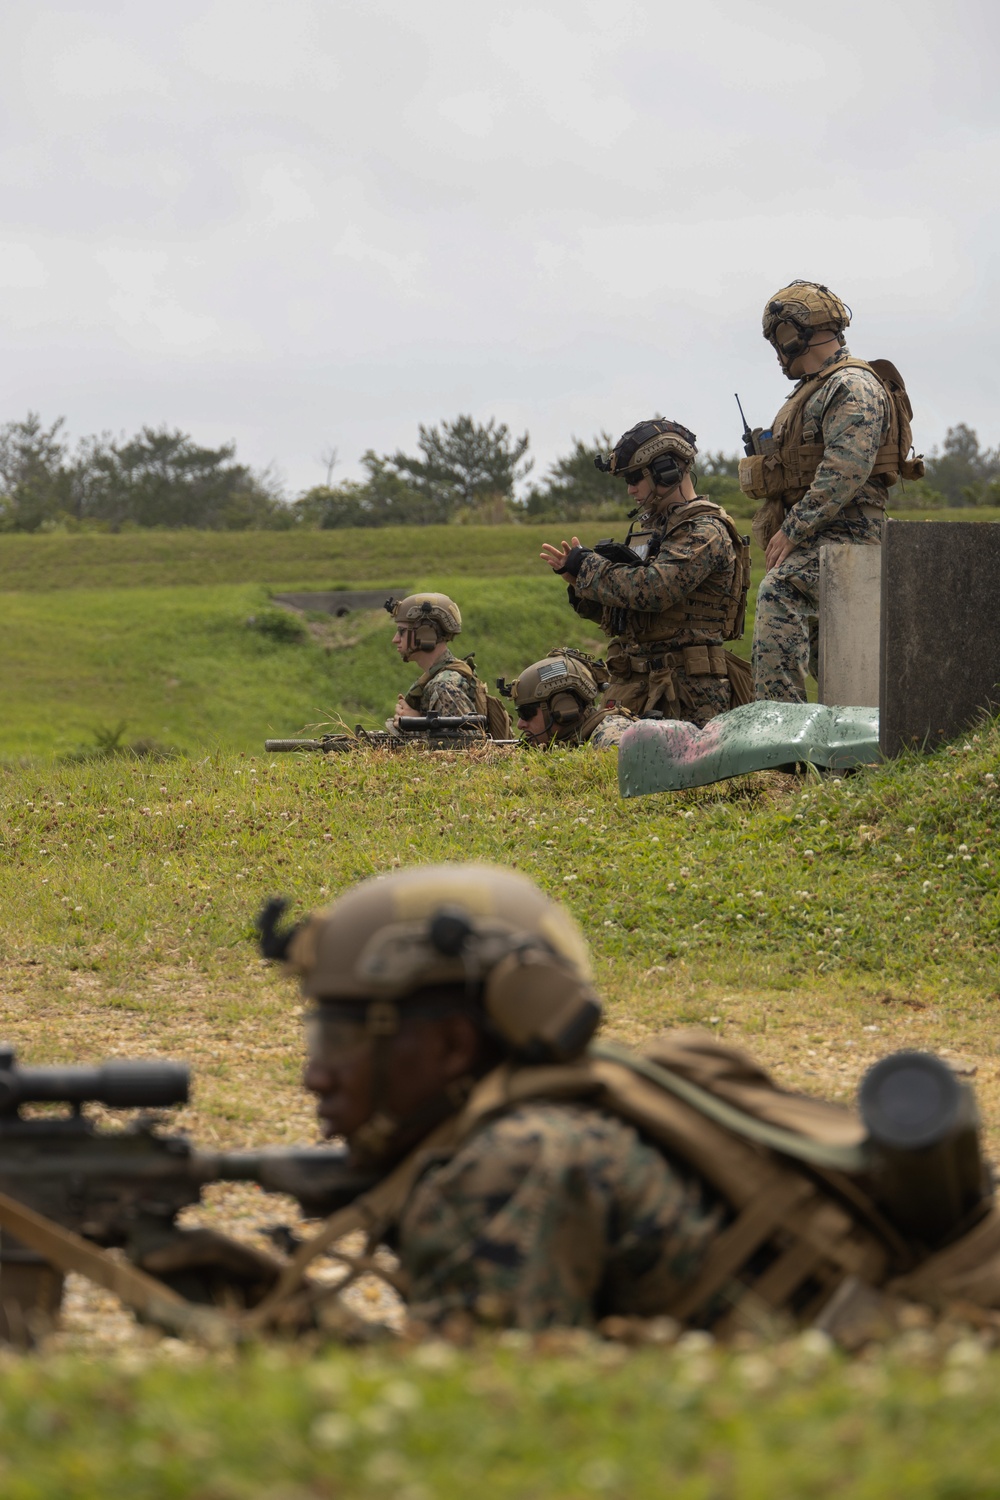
(804, 1229)
(498, 721)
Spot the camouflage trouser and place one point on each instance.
(698, 698)
(786, 625)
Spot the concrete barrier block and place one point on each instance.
(940, 634)
(850, 591)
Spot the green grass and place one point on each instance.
(392, 555)
(181, 666)
(771, 911)
(148, 629)
(819, 924)
(508, 1424)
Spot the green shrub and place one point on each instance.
(279, 625)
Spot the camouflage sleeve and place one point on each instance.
(552, 1215)
(853, 419)
(609, 731)
(449, 693)
(685, 560)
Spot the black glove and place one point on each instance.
(573, 560)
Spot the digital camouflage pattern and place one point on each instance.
(786, 625)
(445, 692)
(698, 555)
(553, 1214)
(850, 415)
(606, 734)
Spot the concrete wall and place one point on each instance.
(940, 636)
(850, 593)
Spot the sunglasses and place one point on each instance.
(527, 710)
(633, 476)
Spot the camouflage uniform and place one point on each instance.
(626, 601)
(850, 415)
(606, 734)
(443, 690)
(553, 1214)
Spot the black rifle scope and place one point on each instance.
(439, 723)
(923, 1132)
(120, 1085)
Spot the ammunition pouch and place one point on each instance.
(647, 683)
(785, 466)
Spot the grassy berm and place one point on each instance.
(821, 923)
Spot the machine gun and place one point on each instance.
(125, 1188)
(436, 731)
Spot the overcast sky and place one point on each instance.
(296, 223)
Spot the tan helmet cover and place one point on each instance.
(637, 448)
(807, 305)
(383, 941)
(436, 610)
(554, 674)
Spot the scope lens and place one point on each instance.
(910, 1100)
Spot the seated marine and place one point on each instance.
(556, 697)
(447, 686)
(673, 593)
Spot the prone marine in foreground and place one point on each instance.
(556, 703)
(533, 1177)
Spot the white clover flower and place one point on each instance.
(331, 1429)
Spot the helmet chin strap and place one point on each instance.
(384, 1134)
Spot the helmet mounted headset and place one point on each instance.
(657, 450)
(432, 941)
(807, 308)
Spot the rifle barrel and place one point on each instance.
(320, 1177)
(274, 746)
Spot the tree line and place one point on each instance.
(462, 471)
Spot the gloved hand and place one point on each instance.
(573, 561)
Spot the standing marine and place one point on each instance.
(823, 470)
(556, 703)
(674, 593)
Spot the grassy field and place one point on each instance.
(183, 667)
(392, 555)
(149, 630)
(821, 923)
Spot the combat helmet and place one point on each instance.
(429, 618)
(434, 939)
(807, 307)
(564, 684)
(660, 450)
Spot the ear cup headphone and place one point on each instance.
(543, 1009)
(424, 636)
(539, 1003)
(565, 709)
(666, 471)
